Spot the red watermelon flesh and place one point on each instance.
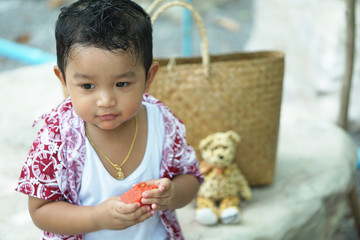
(135, 193)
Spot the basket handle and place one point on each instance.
(153, 5)
(199, 23)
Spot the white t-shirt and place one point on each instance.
(97, 184)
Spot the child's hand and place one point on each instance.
(116, 215)
(161, 198)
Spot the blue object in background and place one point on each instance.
(30, 55)
(186, 32)
(358, 162)
(24, 53)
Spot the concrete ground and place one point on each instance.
(310, 33)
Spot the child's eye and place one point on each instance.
(88, 86)
(122, 84)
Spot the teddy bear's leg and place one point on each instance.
(229, 210)
(206, 211)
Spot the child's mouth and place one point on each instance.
(107, 117)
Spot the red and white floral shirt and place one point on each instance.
(54, 165)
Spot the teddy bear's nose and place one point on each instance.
(221, 157)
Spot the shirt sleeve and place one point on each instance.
(178, 156)
(38, 174)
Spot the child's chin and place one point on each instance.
(108, 126)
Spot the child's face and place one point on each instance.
(106, 88)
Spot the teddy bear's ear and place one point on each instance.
(233, 136)
(205, 142)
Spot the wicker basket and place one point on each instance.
(238, 91)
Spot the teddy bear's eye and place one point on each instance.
(216, 147)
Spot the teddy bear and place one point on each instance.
(219, 195)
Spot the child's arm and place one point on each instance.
(172, 194)
(68, 219)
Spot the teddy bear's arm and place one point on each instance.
(245, 190)
(204, 167)
(242, 183)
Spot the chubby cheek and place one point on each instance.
(132, 106)
(83, 109)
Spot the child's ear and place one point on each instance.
(59, 75)
(151, 75)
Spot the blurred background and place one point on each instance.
(311, 33)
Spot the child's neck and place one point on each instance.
(100, 134)
(115, 144)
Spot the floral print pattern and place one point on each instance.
(54, 165)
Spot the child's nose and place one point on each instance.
(106, 99)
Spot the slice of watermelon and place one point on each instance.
(135, 193)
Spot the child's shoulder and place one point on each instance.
(167, 113)
(63, 111)
(61, 121)
(174, 127)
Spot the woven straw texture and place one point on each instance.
(238, 91)
(242, 94)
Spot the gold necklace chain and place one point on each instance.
(118, 167)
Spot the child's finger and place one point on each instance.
(145, 216)
(123, 208)
(153, 193)
(158, 207)
(132, 216)
(161, 201)
(163, 184)
(140, 215)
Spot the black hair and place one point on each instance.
(115, 25)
